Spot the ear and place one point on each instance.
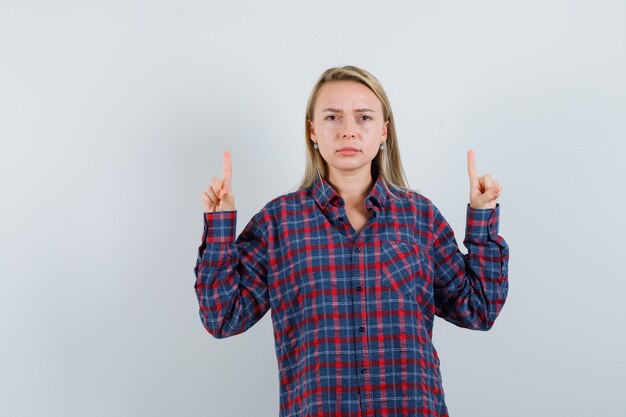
(385, 130)
(311, 131)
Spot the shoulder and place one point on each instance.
(281, 213)
(284, 205)
(288, 200)
(414, 199)
(420, 209)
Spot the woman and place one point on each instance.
(354, 265)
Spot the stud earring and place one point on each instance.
(315, 145)
(382, 146)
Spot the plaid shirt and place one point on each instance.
(352, 313)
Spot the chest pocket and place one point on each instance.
(403, 266)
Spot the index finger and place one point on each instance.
(471, 165)
(228, 170)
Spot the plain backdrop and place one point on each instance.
(115, 115)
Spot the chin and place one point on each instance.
(350, 166)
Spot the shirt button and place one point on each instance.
(357, 250)
(361, 329)
(359, 288)
(340, 218)
(363, 370)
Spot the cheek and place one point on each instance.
(371, 131)
(331, 128)
(373, 150)
(319, 127)
(373, 134)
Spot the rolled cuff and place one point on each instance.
(220, 226)
(482, 223)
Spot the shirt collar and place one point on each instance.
(325, 195)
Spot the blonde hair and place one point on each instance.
(387, 162)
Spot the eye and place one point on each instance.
(331, 117)
(365, 117)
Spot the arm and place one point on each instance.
(231, 275)
(471, 289)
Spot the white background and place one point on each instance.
(114, 116)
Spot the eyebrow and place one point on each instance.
(364, 110)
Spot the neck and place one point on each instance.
(353, 187)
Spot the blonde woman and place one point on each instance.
(354, 265)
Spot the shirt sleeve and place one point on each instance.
(231, 274)
(470, 290)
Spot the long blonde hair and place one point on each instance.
(387, 162)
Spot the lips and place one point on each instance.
(348, 151)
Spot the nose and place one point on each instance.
(348, 128)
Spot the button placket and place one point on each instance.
(360, 329)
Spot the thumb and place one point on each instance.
(227, 199)
(226, 194)
(491, 193)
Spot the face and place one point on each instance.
(347, 126)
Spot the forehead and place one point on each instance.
(346, 95)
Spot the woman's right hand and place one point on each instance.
(219, 195)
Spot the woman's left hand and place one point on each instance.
(484, 191)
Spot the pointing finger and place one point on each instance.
(228, 170)
(471, 166)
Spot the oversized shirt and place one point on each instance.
(352, 313)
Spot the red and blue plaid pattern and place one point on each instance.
(352, 312)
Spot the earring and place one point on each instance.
(315, 145)
(382, 146)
